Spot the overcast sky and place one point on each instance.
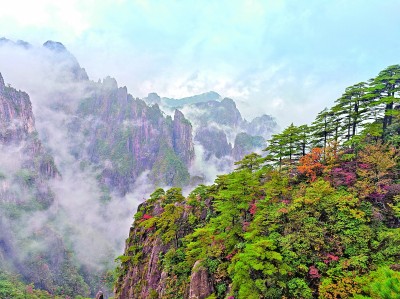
(286, 58)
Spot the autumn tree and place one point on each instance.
(310, 165)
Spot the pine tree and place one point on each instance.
(384, 91)
(351, 109)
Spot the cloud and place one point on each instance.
(241, 49)
(208, 170)
(65, 17)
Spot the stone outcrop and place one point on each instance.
(142, 275)
(153, 98)
(16, 117)
(100, 295)
(246, 144)
(223, 113)
(200, 283)
(61, 57)
(143, 271)
(18, 132)
(2, 85)
(182, 138)
(264, 126)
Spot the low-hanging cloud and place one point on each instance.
(94, 229)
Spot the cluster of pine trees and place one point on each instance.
(370, 108)
(318, 217)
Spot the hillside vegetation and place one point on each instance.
(317, 217)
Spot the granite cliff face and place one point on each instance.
(124, 137)
(16, 117)
(33, 166)
(215, 142)
(160, 224)
(105, 129)
(245, 144)
(27, 171)
(263, 126)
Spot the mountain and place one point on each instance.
(132, 137)
(221, 134)
(65, 60)
(102, 140)
(87, 107)
(318, 217)
(261, 233)
(77, 156)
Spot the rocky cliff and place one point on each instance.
(125, 137)
(32, 165)
(160, 225)
(245, 144)
(260, 232)
(27, 171)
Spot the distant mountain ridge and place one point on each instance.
(200, 98)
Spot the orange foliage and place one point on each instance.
(310, 164)
(375, 170)
(344, 287)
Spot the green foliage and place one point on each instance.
(173, 195)
(169, 168)
(386, 284)
(298, 288)
(12, 288)
(281, 226)
(156, 195)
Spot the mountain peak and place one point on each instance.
(153, 98)
(228, 102)
(20, 43)
(54, 46)
(23, 44)
(5, 41)
(110, 83)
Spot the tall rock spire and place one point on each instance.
(2, 85)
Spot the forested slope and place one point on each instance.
(317, 217)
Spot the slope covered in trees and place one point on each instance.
(317, 217)
(11, 287)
